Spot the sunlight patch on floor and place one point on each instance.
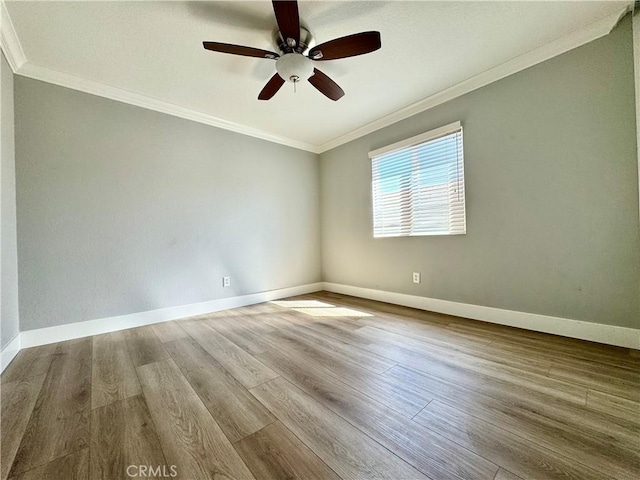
(301, 303)
(332, 312)
(316, 308)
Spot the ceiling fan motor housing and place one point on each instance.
(294, 67)
(284, 44)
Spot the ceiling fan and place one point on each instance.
(298, 52)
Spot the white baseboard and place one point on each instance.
(9, 352)
(595, 332)
(60, 333)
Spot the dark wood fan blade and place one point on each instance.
(288, 20)
(325, 85)
(349, 46)
(271, 88)
(239, 50)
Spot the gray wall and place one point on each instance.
(8, 250)
(552, 196)
(123, 210)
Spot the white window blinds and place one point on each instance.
(418, 185)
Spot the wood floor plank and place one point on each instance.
(332, 329)
(244, 367)
(59, 424)
(441, 365)
(432, 324)
(16, 404)
(247, 313)
(29, 362)
(431, 337)
(113, 375)
(278, 321)
(274, 453)
(234, 329)
(190, 438)
(516, 340)
(344, 448)
(608, 429)
(402, 398)
(168, 331)
(346, 319)
(625, 388)
(524, 458)
(565, 431)
(535, 343)
(144, 346)
(74, 466)
(69, 346)
(339, 349)
(556, 358)
(40, 350)
(232, 406)
(479, 358)
(424, 331)
(429, 326)
(506, 475)
(256, 319)
(123, 434)
(381, 309)
(432, 454)
(614, 405)
(526, 378)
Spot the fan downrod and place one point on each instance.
(289, 45)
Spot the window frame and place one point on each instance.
(416, 140)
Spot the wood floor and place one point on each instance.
(322, 386)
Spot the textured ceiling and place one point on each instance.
(155, 49)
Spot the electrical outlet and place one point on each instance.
(416, 277)
(226, 281)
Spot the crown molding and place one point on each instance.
(48, 75)
(15, 55)
(9, 40)
(552, 49)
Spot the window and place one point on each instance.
(418, 185)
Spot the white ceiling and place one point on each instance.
(155, 49)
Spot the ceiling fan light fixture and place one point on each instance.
(294, 67)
